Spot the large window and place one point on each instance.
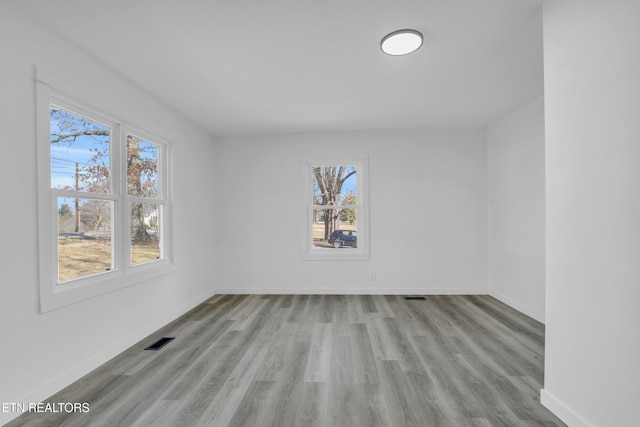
(336, 210)
(103, 214)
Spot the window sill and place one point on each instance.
(335, 254)
(57, 296)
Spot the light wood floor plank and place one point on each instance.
(323, 361)
(319, 362)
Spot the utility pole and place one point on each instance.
(77, 202)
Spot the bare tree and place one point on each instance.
(139, 167)
(328, 182)
(96, 215)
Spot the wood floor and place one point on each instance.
(323, 360)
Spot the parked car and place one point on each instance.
(340, 238)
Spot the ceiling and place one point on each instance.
(277, 66)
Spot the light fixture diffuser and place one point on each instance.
(401, 42)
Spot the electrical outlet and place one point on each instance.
(373, 277)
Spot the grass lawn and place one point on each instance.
(78, 257)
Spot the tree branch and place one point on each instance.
(59, 137)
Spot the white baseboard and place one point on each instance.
(561, 410)
(64, 379)
(522, 308)
(351, 291)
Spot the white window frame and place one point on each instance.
(53, 294)
(313, 253)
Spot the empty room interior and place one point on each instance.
(331, 233)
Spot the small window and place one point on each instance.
(337, 220)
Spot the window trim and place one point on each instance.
(52, 294)
(312, 253)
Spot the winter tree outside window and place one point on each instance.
(336, 227)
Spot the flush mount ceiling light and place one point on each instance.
(401, 42)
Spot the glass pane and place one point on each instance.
(334, 228)
(145, 233)
(79, 152)
(84, 237)
(142, 167)
(334, 185)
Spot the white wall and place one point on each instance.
(515, 152)
(41, 353)
(428, 204)
(592, 116)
